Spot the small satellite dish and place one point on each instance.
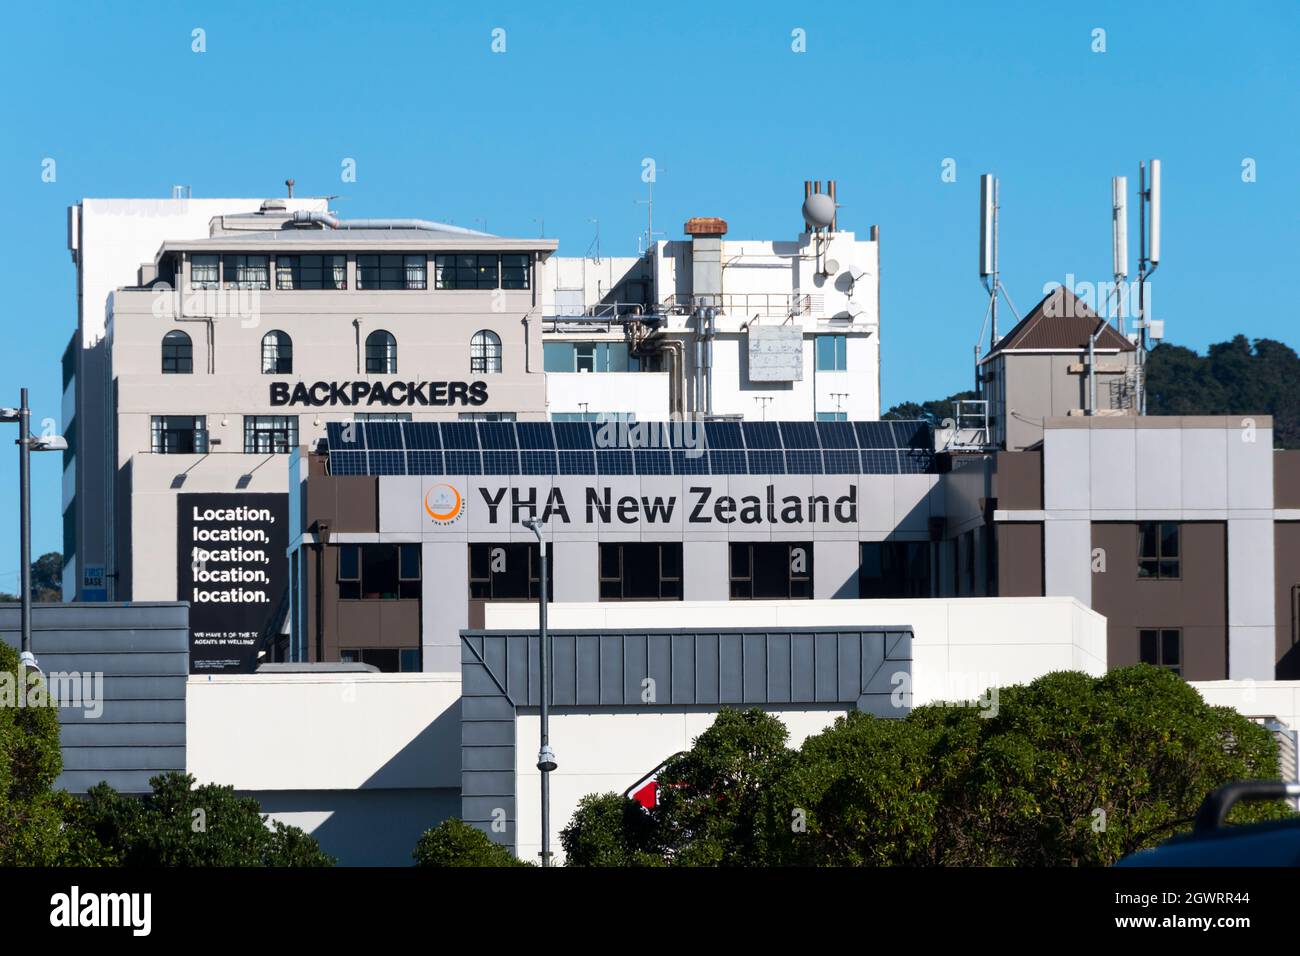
(819, 210)
(832, 267)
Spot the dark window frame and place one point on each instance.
(238, 259)
(466, 271)
(277, 353)
(741, 587)
(381, 353)
(280, 434)
(1159, 565)
(178, 351)
(1159, 638)
(669, 586)
(311, 278)
(896, 559)
(485, 587)
(485, 353)
(393, 272)
(162, 444)
(353, 587)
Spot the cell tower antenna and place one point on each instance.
(1148, 262)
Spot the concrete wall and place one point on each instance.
(364, 762)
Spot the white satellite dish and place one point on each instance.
(819, 210)
(832, 266)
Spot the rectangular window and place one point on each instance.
(832, 353)
(1161, 647)
(467, 271)
(894, 569)
(381, 416)
(832, 416)
(378, 572)
(584, 357)
(641, 572)
(179, 434)
(204, 272)
(486, 416)
(270, 434)
(311, 272)
(771, 570)
(514, 271)
(392, 272)
(509, 572)
(1158, 550)
(389, 660)
(247, 272)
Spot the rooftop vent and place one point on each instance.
(705, 226)
(274, 205)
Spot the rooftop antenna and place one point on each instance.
(595, 243)
(649, 203)
(819, 217)
(1119, 242)
(1148, 262)
(989, 248)
(289, 184)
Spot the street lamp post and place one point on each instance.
(545, 756)
(26, 445)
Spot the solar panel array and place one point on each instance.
(648, 448)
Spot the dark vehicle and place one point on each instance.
(1211, 843)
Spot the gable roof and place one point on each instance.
(1061, 322)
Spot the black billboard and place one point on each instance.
(231, 567)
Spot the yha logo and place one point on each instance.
(444, 504)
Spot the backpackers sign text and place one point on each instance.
(377, 393)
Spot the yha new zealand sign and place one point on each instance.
(231, 567)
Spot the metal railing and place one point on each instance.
(784, 305)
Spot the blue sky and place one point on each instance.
(556, 128)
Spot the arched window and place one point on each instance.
(177, 353)
(381, 353)
(485, 352)
(277, 353)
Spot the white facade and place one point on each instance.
(822, 286)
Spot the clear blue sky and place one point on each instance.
(556, 128)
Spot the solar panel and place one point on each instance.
(348, 463)
(459, 435)
(614, 461)
(725, 461)
(836, 435)
(841, 461)
(577, 462)
(802, 461)
(799, 435)
(383, 434)
(652, 461)
(535, 435)
(498, 462)
(573, 435)
(879, 462)
(463, 462)
(874, 435)
(387, 462)
(761, 435)
(689, 463)
(912, 435)
(723, 435)
(537, 463)
(915, 461)
(423, 462)
(421, 434)
(337, 434)
(766, 462)
(496, 435)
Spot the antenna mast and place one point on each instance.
(1148, 262)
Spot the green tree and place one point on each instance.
(1070, 770)
(180, 824)
(454, 842)
(934, 411)
(47, 579)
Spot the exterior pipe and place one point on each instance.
(330, 221)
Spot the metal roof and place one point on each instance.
(276, 239)
(1061, 322)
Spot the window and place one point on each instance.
(311, 272)
(179, 434)
(485, 352)
(247, 272)
(514, 271)
(588, 357)
(832, 353)
(894, 569)
(277, 353)
(203, 272)
(381, 416)
(485, 416)
(270, 434)
(771, 569)
(381, 353)
(378, 572)
(832, 416)
(641, 572)
(466, 271)
(509, 572)
(1158, 550)
(177, 353)
(628, 417)
(390, 660)
(392, 272)
(1162, 647)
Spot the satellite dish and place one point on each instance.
(832, 266)
(819, 210)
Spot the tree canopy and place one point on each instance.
(1070, 770)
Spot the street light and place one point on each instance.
(27, 443)
(545, 755)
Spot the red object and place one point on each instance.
(647, 796)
